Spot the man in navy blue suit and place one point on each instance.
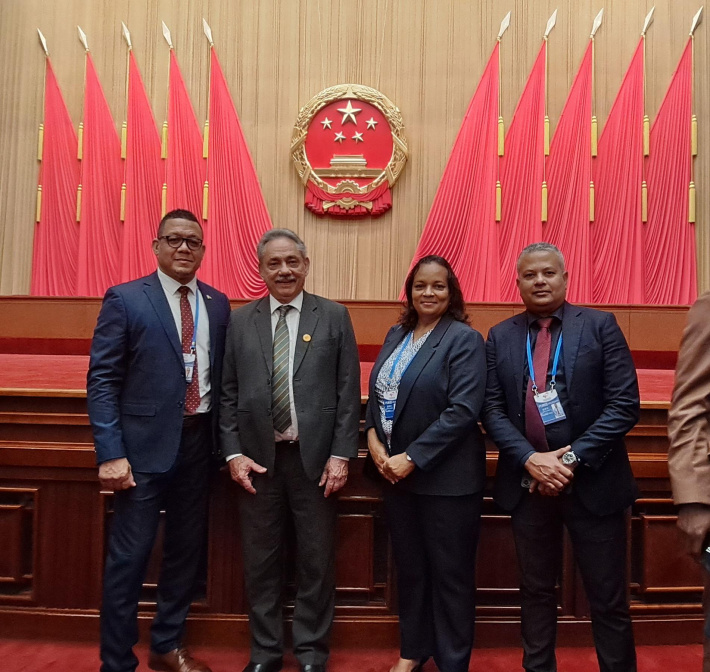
(561, 395)
(152, 389)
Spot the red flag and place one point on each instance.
(56, 243)
(101, 173)
(670, 268)
(522, 170)
(144, 174)
(185, 166)
(237, 215)
(617, 232)
(569, 171)
(461, 224)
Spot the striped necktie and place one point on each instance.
(280, 397)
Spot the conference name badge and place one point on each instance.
(390, 401)
(550, 408)
(189, 359)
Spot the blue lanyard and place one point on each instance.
(555, 362)
(193, 345)
(402, 348)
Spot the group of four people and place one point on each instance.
(275, 388)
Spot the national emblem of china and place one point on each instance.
(349, 148)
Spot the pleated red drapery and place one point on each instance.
(237, 215)
(569, 171)
(56, 242)
(670, 268)
(522, 170)
(461, 224)
(185, 167)
(617, 232)
(144, 175)
(101, 179)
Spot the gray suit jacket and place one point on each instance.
(326, 384)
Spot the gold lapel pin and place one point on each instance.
(306, 337)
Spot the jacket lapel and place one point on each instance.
(306, 326)
(516, 358)
(262, 322)
(394, 339)
(210, 306)
(418, 363)
(572, 325)
(154, 291)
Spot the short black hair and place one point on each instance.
(177, 214)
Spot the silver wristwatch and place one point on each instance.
(569, 459)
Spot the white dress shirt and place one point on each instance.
(171, 288)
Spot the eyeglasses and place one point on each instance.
(193, 244)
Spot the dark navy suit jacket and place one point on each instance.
(438, 404)
(136, 379)
(601, 402)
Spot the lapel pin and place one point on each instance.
(306, 337)
(208, 296)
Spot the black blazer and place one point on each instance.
(436, 416)
(601, 403)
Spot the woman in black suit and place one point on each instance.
(426, 393)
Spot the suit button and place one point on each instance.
(179, 404)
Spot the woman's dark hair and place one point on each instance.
(457, 309)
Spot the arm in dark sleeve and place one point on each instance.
(467, 384)
(229, 397)
(622, 406)
(107, 369)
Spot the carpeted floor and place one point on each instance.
(33, 656)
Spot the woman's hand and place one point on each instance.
(377, 449)
(397, 467)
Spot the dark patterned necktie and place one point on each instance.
(534, 427)
(192, 394)
(280, 397)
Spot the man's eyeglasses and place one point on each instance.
(193, 244)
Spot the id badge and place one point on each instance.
(189, 359)
(550, 408)
(390, 401)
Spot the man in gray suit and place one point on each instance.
(289, 420)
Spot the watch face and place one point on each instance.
(569, 458)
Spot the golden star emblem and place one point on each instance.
(371, 123)
(326, 123)
(358, 137)
(349, 112)
(339, 137)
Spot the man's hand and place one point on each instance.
(334, 476)
(116, 475)
(397, 467)
(694, 523)
(240, 469)
(542, 489)
(548, 471)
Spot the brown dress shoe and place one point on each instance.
(177, 660)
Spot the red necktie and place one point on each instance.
(192, 395)
(534, 427)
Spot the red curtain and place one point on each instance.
(522, 171)
(461, 225)
(56, 243)
(144, 173)
(101, 178)
(617, 232)
(569, 171)
(237, 215)
(670, 269)
(185, 166)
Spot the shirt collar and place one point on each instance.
(532, 318)
(171, 286)
(297, 303)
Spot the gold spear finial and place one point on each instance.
(82, 38)
(649, 20)
(166, 35)
(208, 31)
(550, 24)
(43, 42)
(697, 19)
(126, 35)
(504, 26)
(597, 23)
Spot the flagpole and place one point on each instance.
(205, 139)
(80, 143)
(40, 134)
(646, 123)
(594, 137)
(164, 134)
(501, 124)
(693, 119)
(546, 121)
(124, 125)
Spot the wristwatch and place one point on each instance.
(570, 459)
(409, 459)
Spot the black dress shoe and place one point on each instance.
(312, 667)
(271, 666)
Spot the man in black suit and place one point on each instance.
(152, 390)
(289, 421)
(560, 433)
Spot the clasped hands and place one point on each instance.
(550, 476)
(393, 468)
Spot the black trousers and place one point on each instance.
(183, 493)
(600, 551)
(434, 541)
(289, 493)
